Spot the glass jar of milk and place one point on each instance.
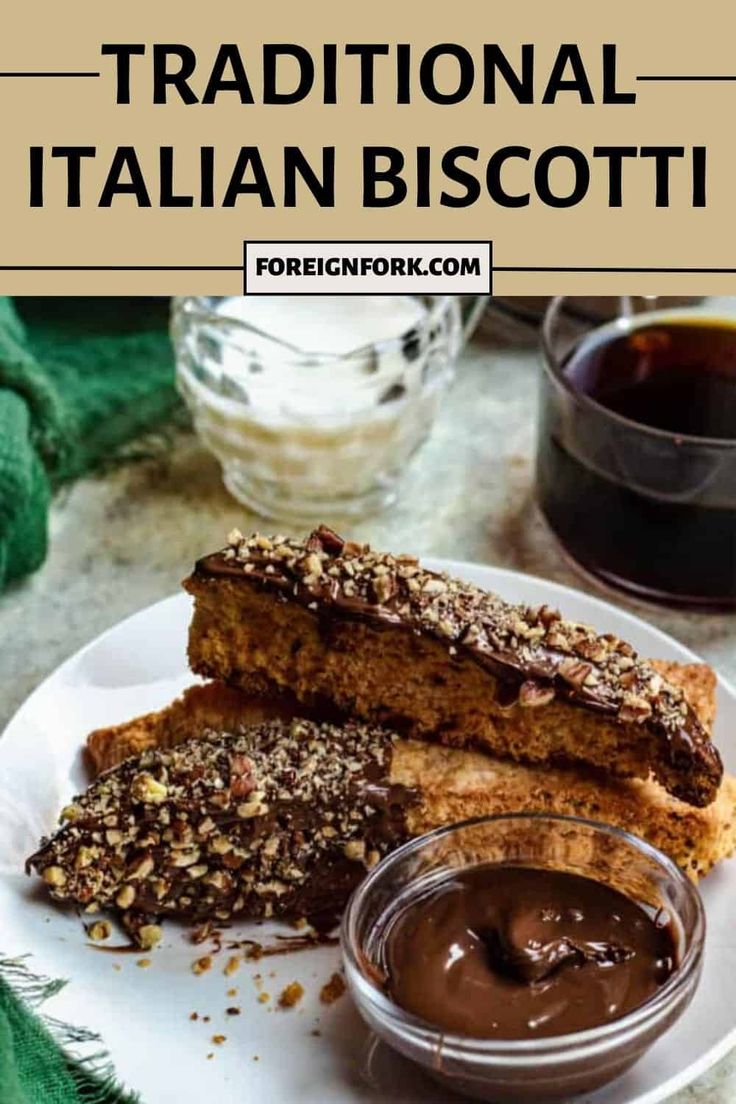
(314, 404)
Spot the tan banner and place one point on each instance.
(590, 142)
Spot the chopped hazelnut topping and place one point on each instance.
(54, 876)
(125, 897)
(255, 807)
(147, 789)
(312, 565)
(85, 856)
(158, 861)
(220, 845)
(184, 859)
(141, 869)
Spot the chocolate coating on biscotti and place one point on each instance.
(534, 653)
(279, 819)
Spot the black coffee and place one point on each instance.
(679, 376)
(656, 514)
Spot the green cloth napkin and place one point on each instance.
(35, 1065)
(79, 380)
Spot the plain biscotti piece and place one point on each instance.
(381, 639)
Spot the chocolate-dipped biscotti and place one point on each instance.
(455, 784)
(379, 638)
(277, 819)
(282, 818)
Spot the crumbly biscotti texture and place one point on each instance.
(383, 640)
(217, 706)
(457, 784)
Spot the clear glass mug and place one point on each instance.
(314, 405)
(644, 509)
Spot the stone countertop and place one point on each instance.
(125, 539)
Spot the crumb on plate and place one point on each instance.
(232, 966)
(333, 989)
(100, 930)
(291, 995)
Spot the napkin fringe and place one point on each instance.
(93, 1074)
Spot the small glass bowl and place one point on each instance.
(537, 1070)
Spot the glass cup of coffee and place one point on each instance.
(636, 461)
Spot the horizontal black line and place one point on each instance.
(8, 74)
(121, 268)
(239, 268)
(711, 77)
(550, 268)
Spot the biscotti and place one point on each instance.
(381, 639)
(283, 818)
(209, 706)
(277, 819)
(214, 705)
(455, 784)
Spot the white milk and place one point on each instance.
(297, 359)
(333, 324)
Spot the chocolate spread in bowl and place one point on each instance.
(513, 952)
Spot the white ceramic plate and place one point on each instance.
(269, 1054)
